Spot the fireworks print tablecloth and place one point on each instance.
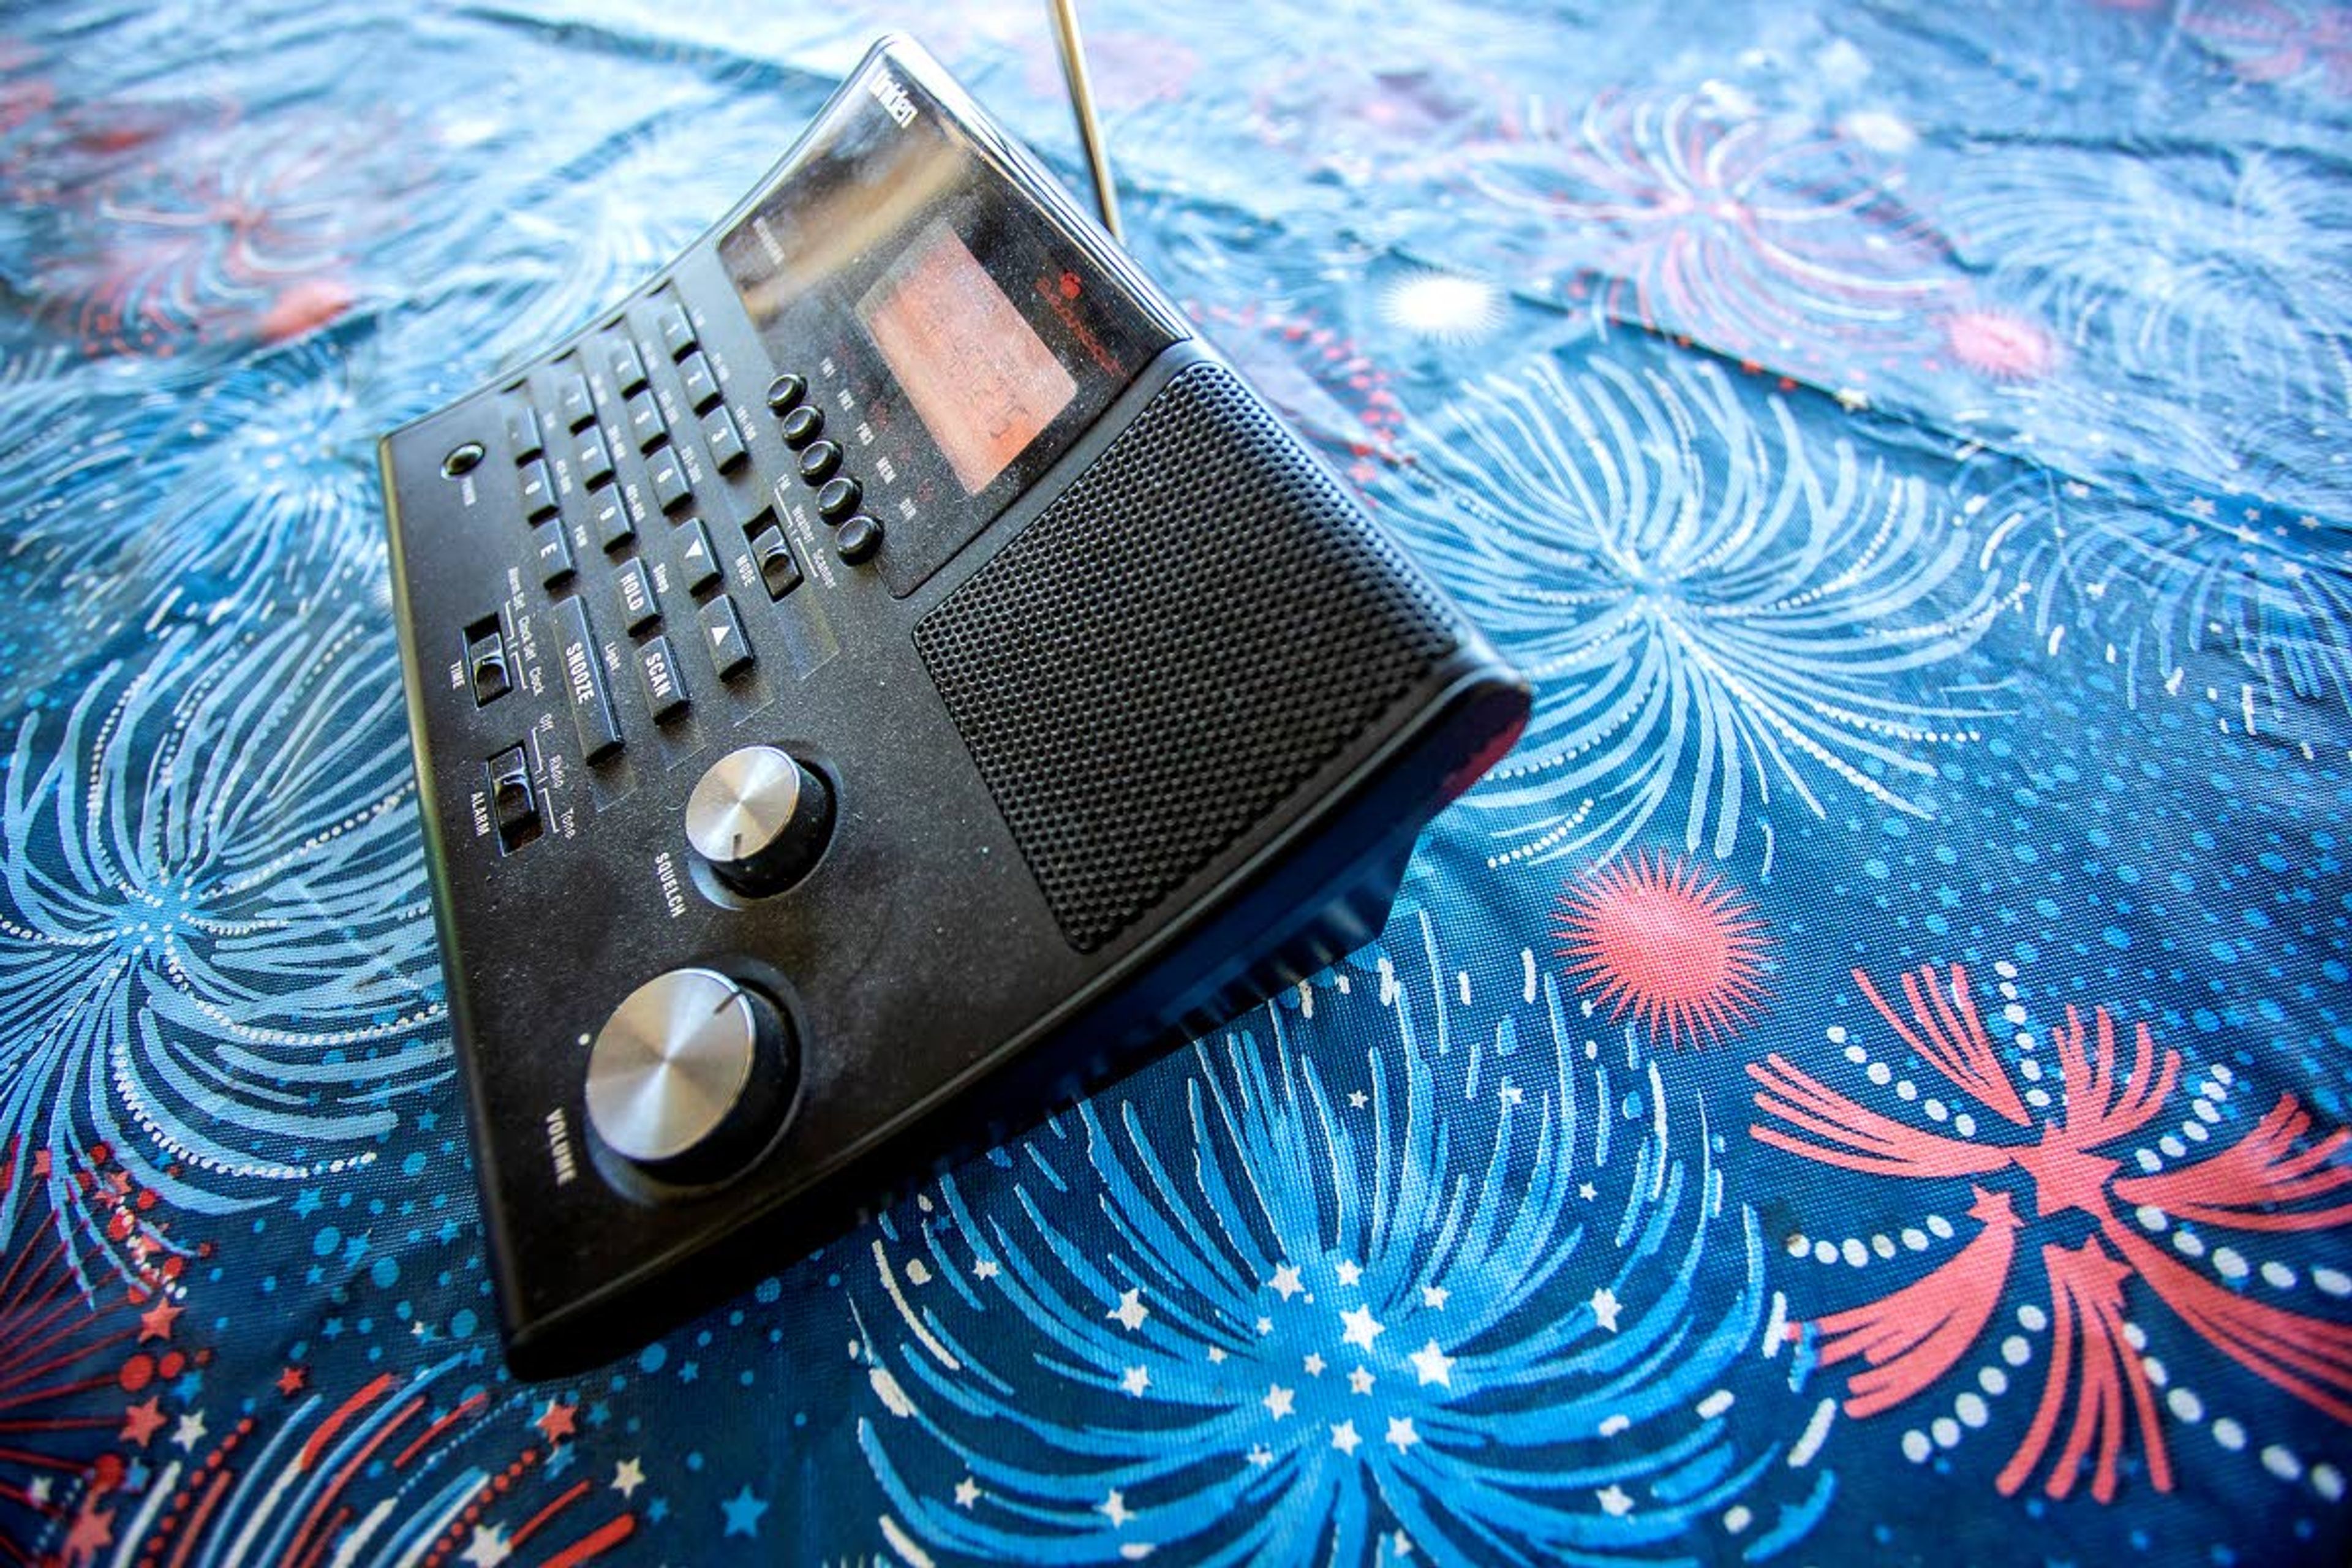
(1863, 1079)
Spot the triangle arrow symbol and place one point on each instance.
(694, 550)
(718, 635)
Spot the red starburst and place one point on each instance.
(1911, 1337)
(2000, 346)
(1677, 948)
(75, 1333)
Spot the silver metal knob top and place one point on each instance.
(743, 803)
(671, 1064)
(758, 817)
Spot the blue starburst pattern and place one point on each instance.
(605, 219)
(214, 951)
(1714, 604)
(1406, 1272)
(2227, 598)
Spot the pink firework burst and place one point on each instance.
(202, 227)
(1676, 948)
(1320, 377)
(23, 96)
(2000, 346)
(2270, 40)
(1913, 1337)
(1755, 235)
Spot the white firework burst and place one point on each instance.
(2226, 277)
(2247, 605)
(214, 954)
(1448, 307)
(602, 222)
(1713, 605)
(258, 491)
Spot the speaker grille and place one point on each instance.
(1159, 659)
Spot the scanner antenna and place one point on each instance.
(1082, 107)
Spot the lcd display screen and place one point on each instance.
(951, 324)
(980, 378)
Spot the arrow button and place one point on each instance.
(723, 635)
(700, 561)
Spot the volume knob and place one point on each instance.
(690, 1075)
(760, 818)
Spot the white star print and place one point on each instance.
(1401, 1433)
(1361, 1329)
(1357, 1100)
(1265, 1325)
(1433, 1364)
(1512, 1094)
(984, 1270)
(1613, 1501)
(39, 1490)
(1216, 1354)
(966, 1492)
(1137, 1380)
(485, 1549)
(1261, 1455)
(1115, 1506)
(190, 1431)
(1404, 1543)
(1587, 1191)
(628, 1476)
(1605, 1307)
(1285, 1283)
(1361, 1380)
(1349, 1273)
(1314, 1364)
(1344, 1438)
(1278, 1400)
(1434, 1296)
(1130, 1311)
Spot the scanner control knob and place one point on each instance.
(689, 1076)
(760, 818)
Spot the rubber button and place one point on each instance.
(802, 425)
(859, 538)
(838, 499)
(819, 462)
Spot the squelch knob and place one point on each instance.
(691, 1075)
(760, 818)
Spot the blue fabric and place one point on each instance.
(1862, 1080)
